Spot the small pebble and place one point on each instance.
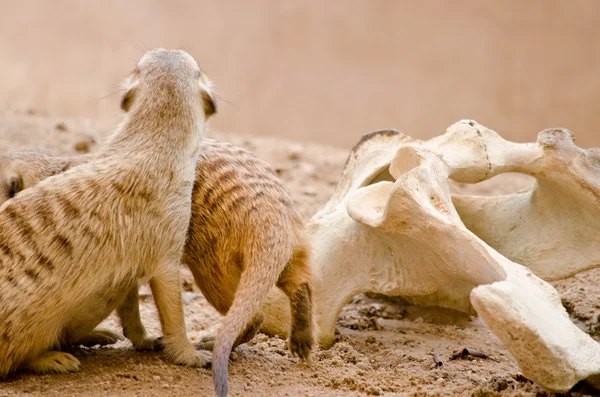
(84, 146)
(61, 127)
(296, 153)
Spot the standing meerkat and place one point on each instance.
(238, 206)
(75, 244)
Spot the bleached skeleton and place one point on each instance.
(392, 227)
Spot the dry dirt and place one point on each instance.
(384, 347)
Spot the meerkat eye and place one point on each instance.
(16, 185)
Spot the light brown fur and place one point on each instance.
(242, 219)
(75, 244)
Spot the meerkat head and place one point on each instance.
(15, 172)
(11, 181)
(172, 75)
(22, 169)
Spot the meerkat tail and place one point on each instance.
(255, 284)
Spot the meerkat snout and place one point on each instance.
(151, 70)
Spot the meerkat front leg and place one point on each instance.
(295, 282)
(167, 296)
(133, 329)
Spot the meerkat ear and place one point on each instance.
(130, 85)
(128, 98)
(208, 100)
(210, 107)
(15, 185)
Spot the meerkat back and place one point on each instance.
(72, 246)
(245, 237)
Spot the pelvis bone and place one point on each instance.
(392, 227)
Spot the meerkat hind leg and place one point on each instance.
(54, 362)
(294, 281)
(100, 337)
(208, 341)
(133, 329)
(167, 296)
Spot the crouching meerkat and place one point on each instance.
(238, 206)
(74, 245)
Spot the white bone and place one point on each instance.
(553, 228)
(527, 315)
(391, 228)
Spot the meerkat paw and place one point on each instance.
(185, 354)
(197, 358)
(301, 343)
(203, 358)
(207, 342)
(100, 337)
(148, 344)
(54, 362)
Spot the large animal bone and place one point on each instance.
(391, 228)
(553, 228)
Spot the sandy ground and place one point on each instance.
(384, 347)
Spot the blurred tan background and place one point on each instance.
(320, 70)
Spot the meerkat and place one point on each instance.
(75, 244)
(238, 204)
(23, 169)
